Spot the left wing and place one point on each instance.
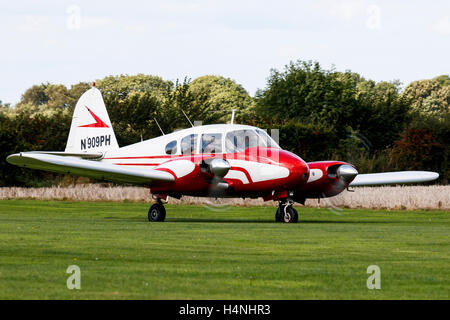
(399, 177)
(70, 164)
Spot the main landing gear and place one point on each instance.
(157, 212)
(286, 212)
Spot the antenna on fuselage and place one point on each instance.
(159, 126)
(232, 115)
(187, 117)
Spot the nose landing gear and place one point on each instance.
(157, 212)
(286, 212)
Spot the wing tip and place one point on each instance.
(10, 159)
(397, 177)
(433, 175)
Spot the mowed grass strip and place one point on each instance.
(231, 253)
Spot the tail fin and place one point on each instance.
(91, 129)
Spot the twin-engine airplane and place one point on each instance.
(221, 160)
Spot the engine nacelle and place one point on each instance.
(327, 179)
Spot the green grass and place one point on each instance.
(238, 253)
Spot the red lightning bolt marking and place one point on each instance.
(98, 122)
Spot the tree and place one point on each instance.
(444, 80)
(309, 141)
(28, 128)
(133, 102)
(306, 93)
(54, 96)
(420, 149)
(429, 97)
(123, 85)
(214, 98)
(346, 102)
(382, 112)
(36, 95)
(74, 93)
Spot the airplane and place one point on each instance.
(219, 160)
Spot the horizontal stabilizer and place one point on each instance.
(399, 177)
(88, 168)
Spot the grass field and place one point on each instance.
(238, 253)
(433, 197)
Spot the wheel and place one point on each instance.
(278, 214)
(290, 215)
(157, 212)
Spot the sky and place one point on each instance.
(71, 41)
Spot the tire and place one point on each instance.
(278, 214)
(156, 213)
(290, 215)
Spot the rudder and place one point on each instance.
(91, 129)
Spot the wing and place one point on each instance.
(399, 177)
(82, 155)
(87, 168)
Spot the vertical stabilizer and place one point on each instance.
(91, 129)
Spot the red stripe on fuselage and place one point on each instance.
(170, 157)
(249, 178)
(169, 171)
(137, 164)
(143, 157)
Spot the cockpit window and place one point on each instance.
(240, 140)
(268, 141)
(171, 147)
(212, 143)
(189, 144)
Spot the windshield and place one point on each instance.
(269, 142)
(240, 140)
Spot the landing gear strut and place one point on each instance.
(157, 212)
(286, 212)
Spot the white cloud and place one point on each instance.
(293, 52)
(442, 26)
(234, 38)
(373, 21)
(347, 9)
(137, 28)
(93, 22)
(32, 23)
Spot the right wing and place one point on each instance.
(93, 169)
(399, 177)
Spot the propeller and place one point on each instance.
(345, 174)
(218, 168)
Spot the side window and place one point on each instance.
(171, 147)
(212, 143)
(189, 144)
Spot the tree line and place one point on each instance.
(320, 113)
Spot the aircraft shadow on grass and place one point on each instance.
(237, 220)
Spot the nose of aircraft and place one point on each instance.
(346, 172)
(299, 170)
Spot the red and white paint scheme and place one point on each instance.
(221, 160)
